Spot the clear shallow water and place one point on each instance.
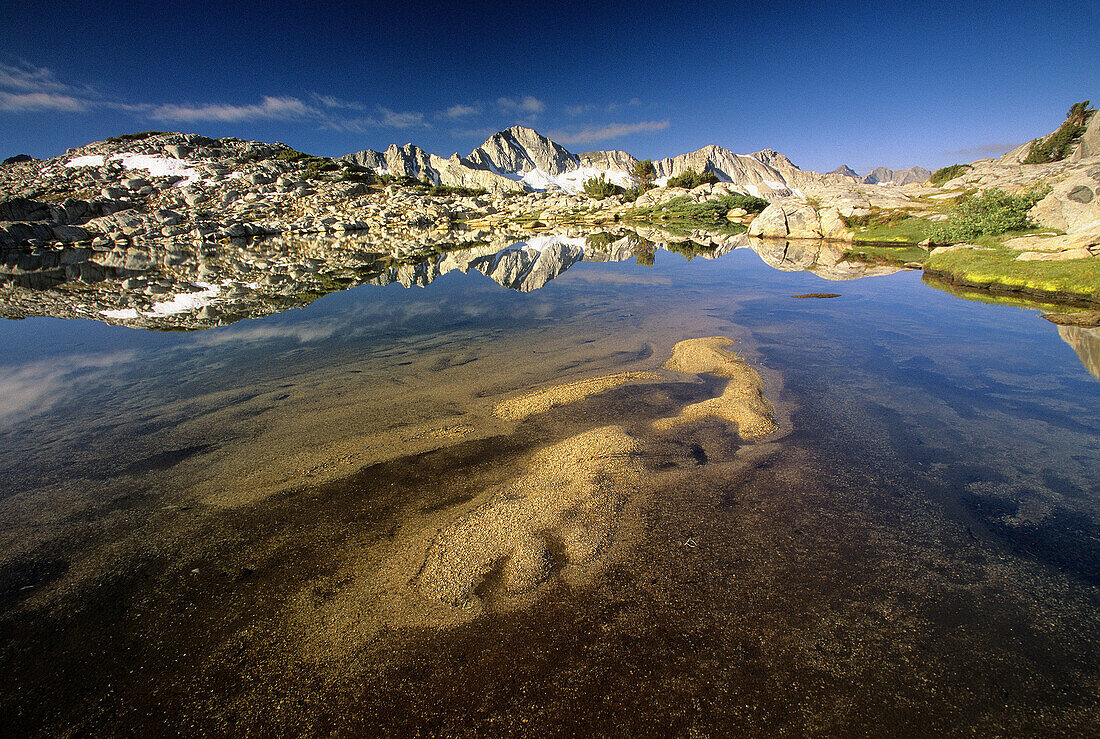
(195, 522)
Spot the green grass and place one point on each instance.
(908, 230)
(997, 266)
(877, 254)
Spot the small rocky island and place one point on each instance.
(173, 230)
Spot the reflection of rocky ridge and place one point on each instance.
(193, 286)
(186, 286)
(1086, 342)
(823, 258)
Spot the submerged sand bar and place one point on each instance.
(516, 409)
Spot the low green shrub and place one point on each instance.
(455, 191)
(749, 203)
(991, 213)
(944, 174)
(690, 179)
(600, 188)
(135, 136)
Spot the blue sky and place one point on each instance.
(823, 82)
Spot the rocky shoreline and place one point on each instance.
(176, 223)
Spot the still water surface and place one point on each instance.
(218, 530)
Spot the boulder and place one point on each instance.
(23, 209)
(1073, 204)
(793, 219)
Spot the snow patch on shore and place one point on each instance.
(571, 181)
(94, 160)
(122, 314)
(156, 166)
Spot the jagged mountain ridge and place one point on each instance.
(520, 158)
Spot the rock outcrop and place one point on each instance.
(822, 258)
(756, 174)
(1086, 342)
(607, 160)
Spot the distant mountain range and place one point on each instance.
(521, 158)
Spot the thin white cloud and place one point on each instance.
(632, 103)
(590, 134)
(331, 101)
(384, 118)
(29, 78)
(528, 104)
(30, 101)
(401, 119)
(271, 108)
(25, 87)
(576, 110)
(461, 111)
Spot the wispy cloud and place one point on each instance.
(528, 105)
(29, 78)
(302, 333)
(575, 110)
(331, 101)
(402, 119)
(30, 101)
(590, 134)
(25, 87)
(631, 103)
(461, 111)
(276, 108)
(997, 149)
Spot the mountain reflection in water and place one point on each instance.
(190, 287)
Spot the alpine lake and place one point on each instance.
(441, 503)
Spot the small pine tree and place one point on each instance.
(1080, 113)
(644, 173)
(1059, 144)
